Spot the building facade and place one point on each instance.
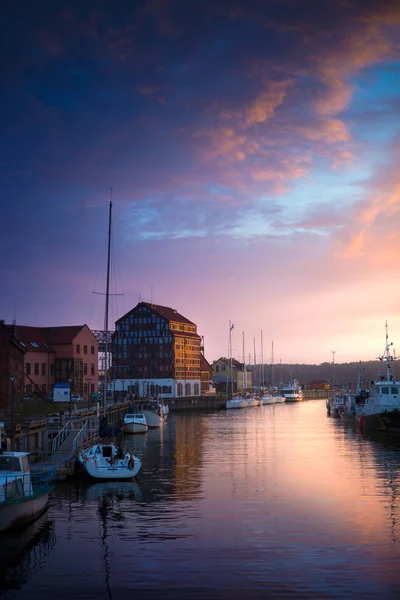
(207, 386)
(60, 354)
(156, 352)
(232, 379)
(11, 370)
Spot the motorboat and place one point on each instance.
(292, 391)
(109, 461)
(134, 423)
(24, 494)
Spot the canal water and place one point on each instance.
(268, 502)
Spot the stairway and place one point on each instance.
(64, 452)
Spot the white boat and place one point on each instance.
(109, 461)
(292, 391)
(155, 413)
(251, 401)
(268, 399)
(23, 495)
(134, 423)
(238, 402)
(279, 398)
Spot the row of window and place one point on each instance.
(143, 339)
(140, 321)
(85, 349)
(42, 370)
(394, 390)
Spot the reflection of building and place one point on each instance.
(11, 369)
(234, 379)
(55, 354)
(156, 351)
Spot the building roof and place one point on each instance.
(235, 363)
(164, 311)
(204, 364)
(41, 339)
(10, 332)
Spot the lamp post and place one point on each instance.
(12, 379)
(333, 361)
(89, 395)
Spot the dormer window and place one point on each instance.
(34, 344)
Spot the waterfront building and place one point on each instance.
(59, 354)
(319, 384)
(207, 385)
(156, 352)
(224, 376)
(11, 370)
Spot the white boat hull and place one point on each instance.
(135, 428)
(111, 471)
(153, 419)
(268, 400)
(236, 403)
(20, 513)
(280, 399)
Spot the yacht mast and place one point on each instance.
(106, 313)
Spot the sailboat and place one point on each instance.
(238, 401)
(250, 399)
(108, 461)
(268, 398)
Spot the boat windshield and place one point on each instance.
(10, 463)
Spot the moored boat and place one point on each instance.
(24, 494)
(380, 408)
(292, 391)
(238, 402)
(134, 423)
(155, 413)
(109, 461)
(268, 399)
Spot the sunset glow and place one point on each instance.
(253, 150)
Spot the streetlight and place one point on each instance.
(333, 357)
(12, 379)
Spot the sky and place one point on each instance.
(253, 152)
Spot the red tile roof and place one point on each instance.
(45, 337)
(204, 364)
(164, 311)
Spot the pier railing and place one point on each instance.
(80, 438)
(61, 437)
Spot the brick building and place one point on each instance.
(156, 351)
(56, 354)
(11, 370)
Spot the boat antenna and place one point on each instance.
(107, 306)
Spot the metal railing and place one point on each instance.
(17, 487)
(79, 438)
(61, 437)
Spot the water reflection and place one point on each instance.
(276, 501)
(22, 553)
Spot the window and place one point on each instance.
(91, 349)
(92, 369)
(52, 369)
(385, 390)
(85, 369)
(78, 348)
(84, 349)
(34, 344)
(395, 391)
(36, 367)
(28, 368)
(43, 368)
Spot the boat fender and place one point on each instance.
(131, 463)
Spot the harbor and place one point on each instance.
(278, 500)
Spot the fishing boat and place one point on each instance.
(109, 461)
(134, 423)
(23, 495)
(380, 407)
(292, 391)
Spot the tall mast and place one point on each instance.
(229, 365)
(106, 313)
(262, 365)
(244, 368)
(272, 364)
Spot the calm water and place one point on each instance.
(268, 502)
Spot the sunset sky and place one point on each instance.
(253, 149)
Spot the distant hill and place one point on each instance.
(344, 372)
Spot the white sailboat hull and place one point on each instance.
(135, 428)
(236, 403)
(112, 471)
(153, 419)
